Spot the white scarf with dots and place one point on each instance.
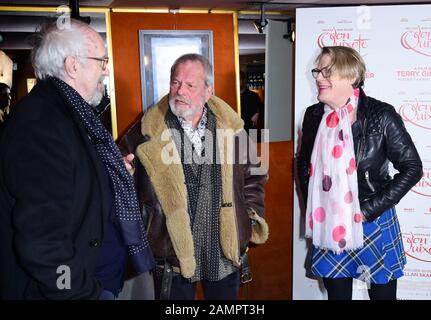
(333, 216)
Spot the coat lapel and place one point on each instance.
(162, 162)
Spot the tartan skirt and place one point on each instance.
(379, 261)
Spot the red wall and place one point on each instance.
(125, 44)
(271, 263)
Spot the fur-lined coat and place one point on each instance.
(163, 193)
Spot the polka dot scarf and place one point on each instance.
(125, 201)
(333, 216)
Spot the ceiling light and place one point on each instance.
(290, 31)
(262, 22)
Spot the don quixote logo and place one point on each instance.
(417, 246)
(417, 113)
(417, 40)
(341, 37)
(423, 187)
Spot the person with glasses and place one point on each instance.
(69, 214)
(348, 140)
(204, 205)
(104, 61)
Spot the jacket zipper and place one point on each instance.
(362, 144)
(367, 178)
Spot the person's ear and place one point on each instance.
(208, 93)
(70, 67)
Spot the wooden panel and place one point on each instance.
(271, 263)
(125, 43)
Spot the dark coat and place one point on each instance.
(380, 137)
(54, 198)
(250, 105)
(163, 194)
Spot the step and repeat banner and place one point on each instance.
(395, 42)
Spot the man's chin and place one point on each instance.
(94, 103)
(180, 111)
(183, 107)
(185, 113)
(96, 99)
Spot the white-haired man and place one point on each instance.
(68, 208)
(202, 201)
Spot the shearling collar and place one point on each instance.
(161, 160)
(153, 122)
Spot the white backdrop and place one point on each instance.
(395, 42)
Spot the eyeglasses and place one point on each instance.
(326, 73)
(104, 61)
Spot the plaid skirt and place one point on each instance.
(380, 260)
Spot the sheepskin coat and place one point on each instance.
(163, 193)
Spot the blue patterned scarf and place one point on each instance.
(126, 207)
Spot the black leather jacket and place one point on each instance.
(379, 138)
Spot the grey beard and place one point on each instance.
(182, 114)
(179, 113)
(96, 98)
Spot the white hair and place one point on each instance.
(54, 43)
(194, 57)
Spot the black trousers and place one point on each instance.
(341, 289)
(182, 289)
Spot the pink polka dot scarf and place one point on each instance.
(333, 216)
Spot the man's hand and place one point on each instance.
(254, 119)
(128, 162)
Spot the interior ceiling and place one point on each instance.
(17, 27)
(279, 5)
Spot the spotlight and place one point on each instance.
(290, 31)
(259, 25)
(262, 22)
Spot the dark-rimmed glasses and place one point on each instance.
(104, 61)
(326, 73)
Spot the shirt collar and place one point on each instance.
(201, 125)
